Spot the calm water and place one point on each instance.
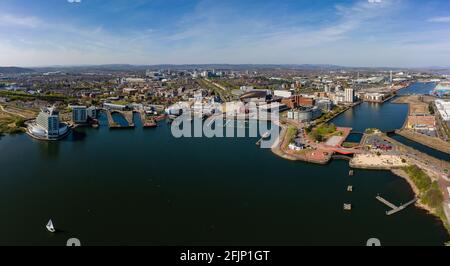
(430, 151)
(387, 117)
(133, 187)
(418, 88)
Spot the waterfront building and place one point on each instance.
(117, 107)
(305, 114)
(442, 89)
(339, 98)
(443, 109)
(47, 125)
(325, 105)
(349, 95)
(79, 114)
(178, 108)
(91, 112)
(374, 97)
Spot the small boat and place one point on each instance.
(50, 227)
(266, 135)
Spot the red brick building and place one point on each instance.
(297, 100)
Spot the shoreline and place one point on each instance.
(396, 170)
(401, 173)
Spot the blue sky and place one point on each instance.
(400, 33)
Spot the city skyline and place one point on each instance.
(372, 33)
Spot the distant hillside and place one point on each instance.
(125, 67)
(15, 70)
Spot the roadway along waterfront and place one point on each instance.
(145, 187)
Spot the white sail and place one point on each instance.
(50, 227)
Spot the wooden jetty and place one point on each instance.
(394, 208)
(347, 207)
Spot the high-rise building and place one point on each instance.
(48, 119)
(79, 114)
(349, 95)
(47, 125)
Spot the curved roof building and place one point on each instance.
(47, 126)
(256, 94)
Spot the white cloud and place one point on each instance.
(12, 20)
(74, 1)
(440, 19)
(355, 34)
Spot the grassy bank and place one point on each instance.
(290, 136)
(430, 193)
(11, 125)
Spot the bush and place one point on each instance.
(321, 132)
(420, 179)
(433, 197)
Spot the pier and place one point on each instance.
(394, 208)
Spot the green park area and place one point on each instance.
(323, 132)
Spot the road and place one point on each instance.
(11, 113)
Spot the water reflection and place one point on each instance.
(49, 149)
(76, 136)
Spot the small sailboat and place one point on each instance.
(50, 227)
(266, 135)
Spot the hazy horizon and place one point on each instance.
(348, 33)
(222, 64)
